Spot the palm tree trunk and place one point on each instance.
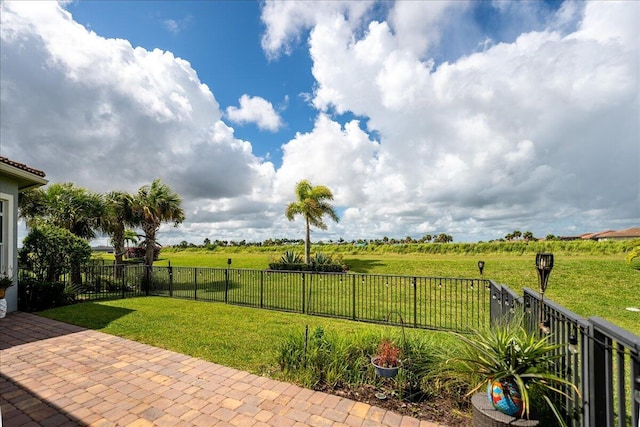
(148, 254)
(307, 244)
(118, 249)
(150, 243)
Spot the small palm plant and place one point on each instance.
(516, 359)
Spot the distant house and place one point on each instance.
(628, 234)
(14, 178)
(593, 236)
(107, 249)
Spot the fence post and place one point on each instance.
(635, 407)
(226, 285)
(599, 376)
(148, 281)
(303, 295)
(170, 280)
(415, 303)
(495, 304)
(195, 283)
(353, 308)
(123, 284)
(261, 289)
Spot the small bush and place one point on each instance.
(330, 360)
(326, 360)
(37, 296)
(106, 283)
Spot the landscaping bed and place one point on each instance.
(441, 410)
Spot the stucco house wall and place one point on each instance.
(14, 178)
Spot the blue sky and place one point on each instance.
(221, 40)
(469, 118)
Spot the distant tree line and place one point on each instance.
(211, 244)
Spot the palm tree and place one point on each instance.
(130, 236)
(155, 204)
(64, 205)
(119, 214)
(312, 205)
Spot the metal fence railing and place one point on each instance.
(423, 302)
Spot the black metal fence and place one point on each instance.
(423, 302)
(602, 359)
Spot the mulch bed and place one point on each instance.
(442, 410)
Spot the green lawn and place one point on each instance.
(589, 284)
(238, 337)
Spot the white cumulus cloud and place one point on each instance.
(254, 109)
(507, 138)
(538, 131)
(106, 115)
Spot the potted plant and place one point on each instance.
(513, 363)
(386, 359)
(5, 282)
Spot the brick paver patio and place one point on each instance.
(53, 374)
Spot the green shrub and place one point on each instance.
(326, 359)
(34, 295)
(49, 252)
(633, 258)
(330, 360)
(106, 283)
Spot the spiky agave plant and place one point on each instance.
(507, 352)
(322, 259)
(291, 257)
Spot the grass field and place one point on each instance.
(239, 337)
(586, 282)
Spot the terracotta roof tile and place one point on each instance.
(21, 166)
(629, 232)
